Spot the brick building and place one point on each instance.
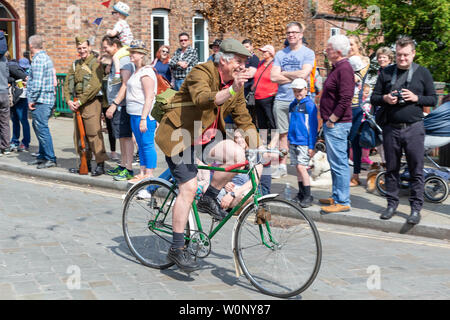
(154, 21)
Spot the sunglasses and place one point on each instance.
(184, 40)
(164, 51)
(114, 12)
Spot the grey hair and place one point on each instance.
(226, 56)
(37, 41)
(340, 43)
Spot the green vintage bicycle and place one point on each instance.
(275, 244)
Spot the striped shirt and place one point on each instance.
(40, 85)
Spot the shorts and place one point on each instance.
(299, 155)
(184, 166)
(281, 114)
(120, 124)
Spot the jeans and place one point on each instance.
(145, 141)
(336, 143)
(178, 83)
(40, 118)
(19, 115)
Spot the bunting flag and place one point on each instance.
(106, 3)
(98, 21)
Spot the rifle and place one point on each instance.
(83, 165)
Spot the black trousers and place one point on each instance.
(264, 113)
(409, 140)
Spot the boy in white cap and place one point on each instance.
(122, 30)
(302, 137)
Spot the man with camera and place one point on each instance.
(402, 90)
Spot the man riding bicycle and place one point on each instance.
(195, 127)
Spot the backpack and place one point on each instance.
(3, 44)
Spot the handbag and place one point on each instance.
(14, 94)
(162, 82)
(250, 98)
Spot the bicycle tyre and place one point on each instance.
(286, 269)
(380, 182)
(435, 189)
(147, 223)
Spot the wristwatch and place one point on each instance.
(233, 194)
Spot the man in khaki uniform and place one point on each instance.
(210, 92)
(83, 83)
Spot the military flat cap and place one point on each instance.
(79, 40)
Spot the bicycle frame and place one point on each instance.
(253, 191)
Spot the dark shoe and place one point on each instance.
(211, 206)
(36, 162)
(99, 170)
(47, 164)
(388, 213)
(183, 259)
(414, 218)
(307, 202)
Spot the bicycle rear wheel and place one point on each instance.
(147, 221)
(281, 257)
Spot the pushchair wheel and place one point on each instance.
(435, 189)
(380, 183)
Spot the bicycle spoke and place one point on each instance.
(291, 262)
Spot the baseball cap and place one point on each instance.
(299, 83)
(268, 48)
(24, 63)
(234, 46)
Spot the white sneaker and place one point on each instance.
(144, 194)
(281, 172)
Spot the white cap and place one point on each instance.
(357, 63)
(299, 83)
(122, 8)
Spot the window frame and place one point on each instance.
(205, 36)
(159, 13)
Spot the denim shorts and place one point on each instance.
(120, 123)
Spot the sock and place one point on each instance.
(301, 192)
(212, 192)
(177, 240)
(307, 191)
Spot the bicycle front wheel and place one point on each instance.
(281, 257)
(147, 221)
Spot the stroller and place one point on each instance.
(436, 180)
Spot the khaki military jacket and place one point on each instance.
(195, 111)
(84, 78)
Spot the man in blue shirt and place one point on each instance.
(302, 137)
(294, 61)
(41, 99)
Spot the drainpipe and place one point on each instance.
(30, 6)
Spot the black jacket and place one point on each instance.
(421, 85)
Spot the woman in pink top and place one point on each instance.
(265, 90)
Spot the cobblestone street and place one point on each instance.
(55, 234)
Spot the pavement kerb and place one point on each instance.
(354, 218)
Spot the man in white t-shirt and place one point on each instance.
(294, 61)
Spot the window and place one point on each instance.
(200, 37)
(9, 24)
(160, 29)
(335, 31)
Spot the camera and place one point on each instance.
(398, 94)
